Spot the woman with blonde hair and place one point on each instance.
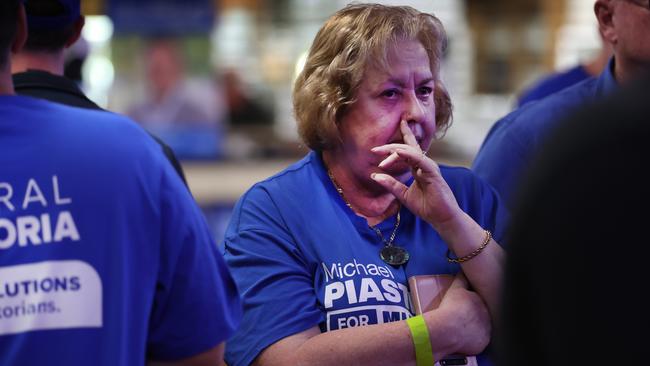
(322, 251)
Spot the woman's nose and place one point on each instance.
(413, 109)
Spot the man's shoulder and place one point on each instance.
(553, 83)
(543, 113)
(56, 88)
(82, 115)
(69, 122)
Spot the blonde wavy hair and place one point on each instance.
(355, 37)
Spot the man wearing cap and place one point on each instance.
(53, 26)
(514, 140)
(105, 259)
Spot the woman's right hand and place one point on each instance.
(466, 319)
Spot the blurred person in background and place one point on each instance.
(54, 26)
(170, 101)
(250, 118)
(557, 81)
(105, 258)
(513, 140)
(322, 251)
(244, 108)
(567, 297)
(75, 59)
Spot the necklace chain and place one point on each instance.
(392, 235)
(390, 240)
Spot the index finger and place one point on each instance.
(409, 137)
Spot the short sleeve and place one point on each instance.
(495, 215)
(479, 200)
(273, 276)
(196, 304)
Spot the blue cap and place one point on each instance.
(72, 12)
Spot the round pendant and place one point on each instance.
(393, 255)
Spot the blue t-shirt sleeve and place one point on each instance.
(495, 215)
(275, 282)
(479, 200)
(196, 305)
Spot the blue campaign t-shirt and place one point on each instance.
(301, 258)
(105, 259)
(512, 142)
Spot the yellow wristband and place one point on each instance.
(421, 341)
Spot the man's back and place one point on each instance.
(59, 89)
(512, 141)
(104, 257)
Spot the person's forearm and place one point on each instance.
(485, 271)
(379, 344)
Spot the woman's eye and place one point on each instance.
(390, 93)
(425, 91)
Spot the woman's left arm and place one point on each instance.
(430, 197)
(484, 271)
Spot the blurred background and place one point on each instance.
(213, 78)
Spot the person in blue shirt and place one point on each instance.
(38, 69)
(322, 251)
(512, 141)
(105, 259)
(560, 80)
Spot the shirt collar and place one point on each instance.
(606, 83)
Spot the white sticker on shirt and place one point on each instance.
(49, 295)
(365, 315)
